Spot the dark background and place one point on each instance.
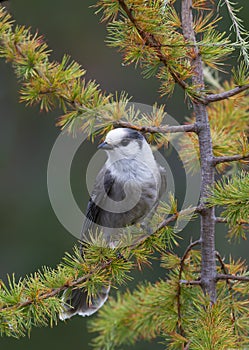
(31, 235)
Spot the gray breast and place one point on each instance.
(134, 187)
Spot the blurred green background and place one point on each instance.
(31, 235)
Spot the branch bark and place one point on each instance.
(226, 94)
(191, 283)
(175, 216)
(165, 223)
(232, 277)
(53, 292)
(161, 130)
(208, 267)
(224, 269)
(178, 296)
(226, 159)
(221, 220)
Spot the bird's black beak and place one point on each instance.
(105, 146)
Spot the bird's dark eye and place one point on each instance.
(125, 142)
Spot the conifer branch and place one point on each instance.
(149, 311)
(225, 272)
(191, 283)
(223, 266)
(160, 129)
(167, 221)
(175, 216)
(178, 296)
(224, 269)
(56, 291)
(37, 298)
(226, 94)
(186, 347)
(221, 220)
(227, 159)
(185, 255)
(208, 266)
(231, 193)
(164, 223)
(240, 31)
(232, 277)
(151, 41)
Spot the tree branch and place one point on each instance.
(166, 222)
(161, 130)
(225, 159)
(232, 277)
(188, 249)
(186, 347)
(151, 41)
(175, 216)
(221, 220)
(178, 296)
(208, 266)
(191, 283)
(226, 94)
(56, 291)
(223, 267)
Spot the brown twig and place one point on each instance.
(186, 347)
(184, 257)
(166, 222)
(225, 159)
(221, 220)
(150, 40)
(226, 94)
(191, 282)
(178, 296)
(223, 267)
(175, 216)
(161, 129)
(221, 276)
(56, 291)
(227, 277)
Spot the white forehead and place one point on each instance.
(116, 135)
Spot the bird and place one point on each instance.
(126, 192)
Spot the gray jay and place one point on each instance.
(126, 192)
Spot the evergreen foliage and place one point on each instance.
(180, 309)
(229, 129)
(36, 299)
(232, 195)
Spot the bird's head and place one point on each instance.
(124, 143)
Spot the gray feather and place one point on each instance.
(111, 184)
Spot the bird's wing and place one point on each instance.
(163, 185)
(76, 301)
(102, 187)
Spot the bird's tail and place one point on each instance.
(76, 302)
